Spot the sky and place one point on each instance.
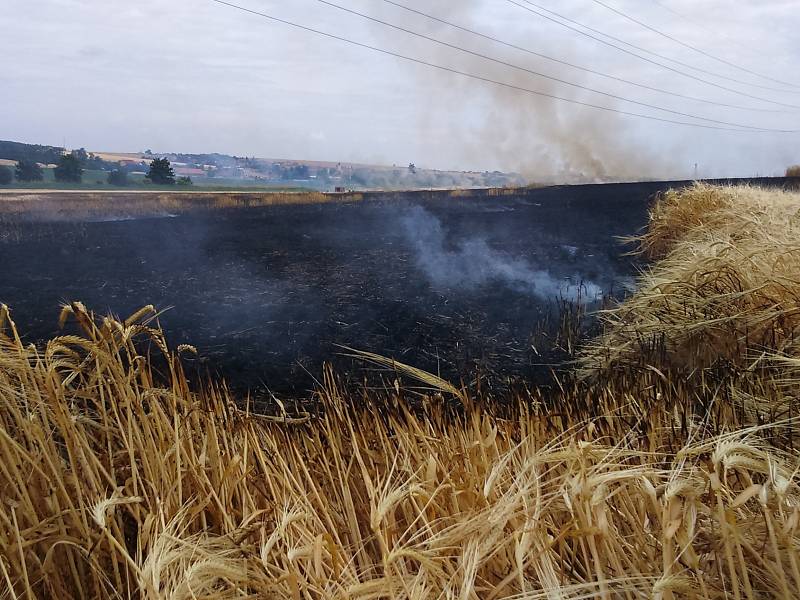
(198, 76)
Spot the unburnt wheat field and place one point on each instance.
(644, 451)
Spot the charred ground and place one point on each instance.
(457, 286)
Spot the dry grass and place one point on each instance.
(37, 205)
(118, 481)
(115, 487)
(725, 290)
(494, 192)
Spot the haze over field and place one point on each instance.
(199, 77)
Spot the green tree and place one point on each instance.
(161, 172)
(118, 177)
(6, 175)
(185, 181)
(69, 168)
(81, 155)
(27, 170)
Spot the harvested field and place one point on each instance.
(642, 479)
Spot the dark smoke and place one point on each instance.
(545, 140)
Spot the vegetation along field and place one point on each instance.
(659, 462)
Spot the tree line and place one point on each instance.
(70, 169)
(30, 152)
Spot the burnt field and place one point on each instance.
(462, 286)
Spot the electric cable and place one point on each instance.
(579, 67)
(640, 57)
(741, 129)
(680, 42)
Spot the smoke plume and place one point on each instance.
(470, 263)
(545, 140)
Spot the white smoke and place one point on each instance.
(472, 263)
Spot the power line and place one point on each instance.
(579, 67)
(707, 29)
(689, 46)
(488, 79)
(639, 56)
(661, 56)
(529, 71)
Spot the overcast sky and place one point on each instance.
(195, 76)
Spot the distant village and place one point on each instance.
(321, 175)
(101, 168)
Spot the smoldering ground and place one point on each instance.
(448, 285)
(473, 262)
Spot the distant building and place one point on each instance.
(188, 171)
